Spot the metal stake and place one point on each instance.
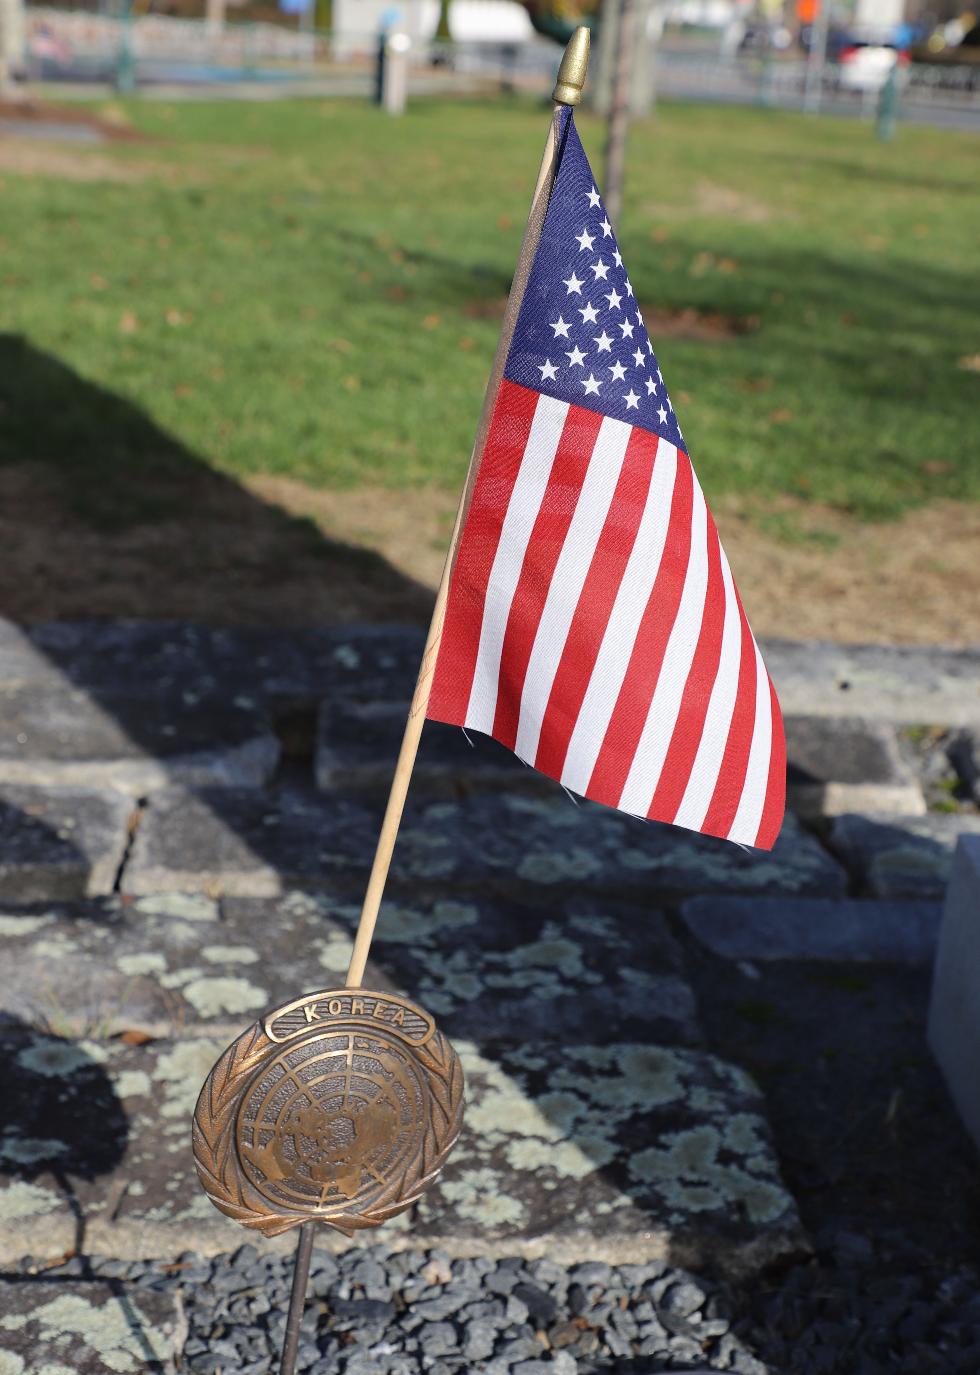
(301, 1275)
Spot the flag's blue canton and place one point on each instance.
(579, 335)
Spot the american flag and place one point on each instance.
(592, 625)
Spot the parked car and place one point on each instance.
(865, 67)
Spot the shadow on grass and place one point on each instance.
(107, 514)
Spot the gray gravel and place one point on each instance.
(860, 1307)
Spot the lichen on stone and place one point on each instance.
(20, 1200)
(147, 963)
(109, 1330)
(187, 906)
(230, 954)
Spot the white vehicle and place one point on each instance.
(867, 66)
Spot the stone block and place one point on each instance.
(58, 736)
(815, 928)
(845, 764)
(60, 843)
(158, 964)
(358, 743)
(277, 667)
(623, 1151)
(555, 846)
(241, 843)
(248, 843)
(86, 1327)
(901, 856)
(964, 754)
(912, 684)
(954, 1010)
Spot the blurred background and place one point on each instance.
(253, 261)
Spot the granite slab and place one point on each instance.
(238, 843)
(621, 1150)
(901, 856)
(61, 843)
(177, 962)
(55, 1326)
(815, 928)
(58, 736)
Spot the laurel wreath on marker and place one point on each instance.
(225, 1183)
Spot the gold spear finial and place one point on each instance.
(573, 69)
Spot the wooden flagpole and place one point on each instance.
(568, 91)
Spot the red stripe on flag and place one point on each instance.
(502, 453)
(630, 712)
(772, 812)
(596, 602)
(731, 776)
(689, 725)
(558, 504)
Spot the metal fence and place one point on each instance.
(151, 49)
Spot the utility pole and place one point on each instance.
(619, 106)
(816, 60)
(12, 28)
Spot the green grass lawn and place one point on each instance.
(312, 289)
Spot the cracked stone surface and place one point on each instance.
(624, 1150)
(244, 844)
(848, 765)
(815, 928)
(60, 843)
(87, 1327)
(901, 856)
(248, 843)
(56, 735)
(175, 961)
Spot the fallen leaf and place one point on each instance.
(128, 323)
(780, 414)
(135, 1037)
(970, 362)
(432, 322)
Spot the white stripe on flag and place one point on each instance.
(624, 623)
(651, 751)
(745, 827)
(569, 576)
(717, 723)
(522, 512)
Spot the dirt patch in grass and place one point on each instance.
(277, 551)
(109, 125)
(707, 326)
